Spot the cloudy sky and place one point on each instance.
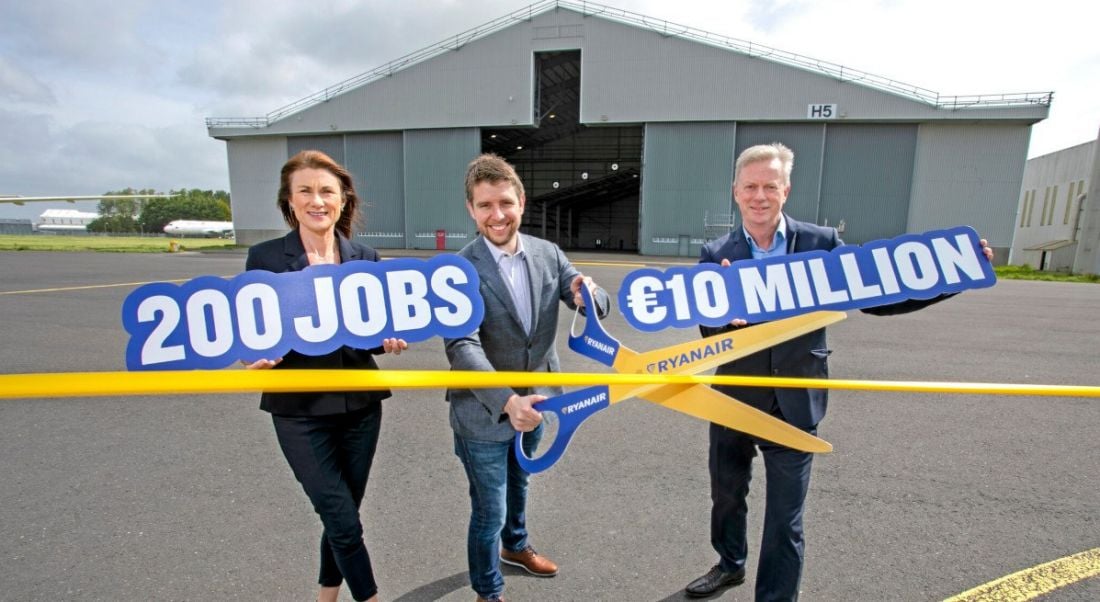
(100, 95)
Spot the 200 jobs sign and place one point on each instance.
(210, 322)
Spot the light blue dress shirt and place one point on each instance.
(779, 242)
(513, 269)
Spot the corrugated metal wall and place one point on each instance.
(807, 141)
(377, 163)
(867, 178)
(254, 165)
(970, 174)
(435, 197)
(332, 145)
(687, 171)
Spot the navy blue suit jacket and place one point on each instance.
(805, 356)
(288, 254)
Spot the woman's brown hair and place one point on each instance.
(315, 159)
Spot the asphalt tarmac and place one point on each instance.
(189, 498)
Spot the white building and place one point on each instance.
(65, 220)
(1056, 228)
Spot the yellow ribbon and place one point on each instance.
(106, 384)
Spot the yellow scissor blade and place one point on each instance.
(693, 357)
(704, 354)
(714, 406)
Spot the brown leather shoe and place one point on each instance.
(531, 561)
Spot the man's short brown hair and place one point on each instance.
(490, 168)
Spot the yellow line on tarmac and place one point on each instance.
(120, 284)
(1029, 584)
(617, 264)
(90, 286)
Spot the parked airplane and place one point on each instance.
(209, 229)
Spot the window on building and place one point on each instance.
(1053, 205)
(1046, 205)
(1026, 207)
(1069, 204)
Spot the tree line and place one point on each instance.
(151, 215)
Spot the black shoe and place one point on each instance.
(715, 579)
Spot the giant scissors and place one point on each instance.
(696, 400)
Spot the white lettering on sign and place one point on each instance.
(584, 403)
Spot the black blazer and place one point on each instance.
(805, 356)
(288, 254)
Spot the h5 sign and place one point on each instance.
(822, 111)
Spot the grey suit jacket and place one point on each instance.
(501, 343)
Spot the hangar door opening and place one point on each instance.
(582, 182)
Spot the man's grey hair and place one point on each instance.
(766, 152)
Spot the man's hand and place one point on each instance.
(523, 417)
(736, 322)
(394, 346)
(986, 250)
(575, 286)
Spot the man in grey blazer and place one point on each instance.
(523, 281)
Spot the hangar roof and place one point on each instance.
(1034, 104)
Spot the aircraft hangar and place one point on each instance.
(624, 130)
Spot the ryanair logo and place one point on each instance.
(599, 346)
(584, 403)
(696, 355)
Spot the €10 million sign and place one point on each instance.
(913, 266)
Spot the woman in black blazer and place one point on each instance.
(328, 438)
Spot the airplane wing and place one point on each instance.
(19, 200)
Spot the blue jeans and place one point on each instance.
(331, 457)
(498, 506)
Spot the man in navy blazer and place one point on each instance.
(762, 182)
(524, 280)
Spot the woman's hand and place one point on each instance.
(394, 346)
(261, 364)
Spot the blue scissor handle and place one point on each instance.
(572, 409)
(594, 342)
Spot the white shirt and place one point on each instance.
(513, 269)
